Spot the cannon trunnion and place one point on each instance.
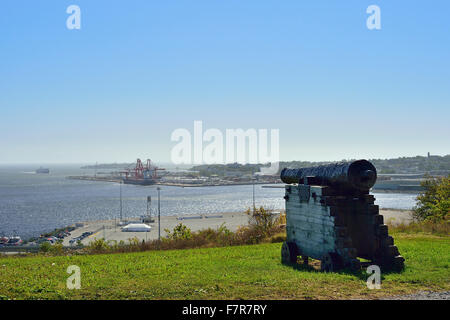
(330, 216)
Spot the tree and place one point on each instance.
(434, 203)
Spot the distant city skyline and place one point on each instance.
(135, 71)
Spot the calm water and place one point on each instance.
(31, 204)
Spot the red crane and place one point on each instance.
(142, 172)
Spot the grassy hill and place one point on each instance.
(248, 272)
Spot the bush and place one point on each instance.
(281, 237)
(57, 248)
(134, 242)
(180, 232)
(281, 220)
(98, 245)
(45, 247)
(262, 220)
(434, 203)
(222, 236)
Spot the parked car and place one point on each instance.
(14, 241)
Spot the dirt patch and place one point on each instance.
(394, 216)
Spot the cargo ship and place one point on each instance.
(43, 170)
(141, 182)
(143, 175)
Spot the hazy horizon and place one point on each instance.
(116, 89)
(188, 165)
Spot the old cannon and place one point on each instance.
(331, 217)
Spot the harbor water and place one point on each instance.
(31, 203)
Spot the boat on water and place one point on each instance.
(141, 182)
(43, 170)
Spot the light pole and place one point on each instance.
(149, 213)
(120, 186)
(159, 214)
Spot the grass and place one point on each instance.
(441, 228)
(239, 272)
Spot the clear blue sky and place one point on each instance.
(116, 89)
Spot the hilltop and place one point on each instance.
(240, 272)
(438, 165)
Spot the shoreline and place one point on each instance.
(278, 184)
(395, 191)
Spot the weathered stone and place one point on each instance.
(326, 222)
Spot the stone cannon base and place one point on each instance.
(337, 229)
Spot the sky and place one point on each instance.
(115, 89)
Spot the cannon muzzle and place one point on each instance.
(356, 175)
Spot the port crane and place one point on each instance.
(142, 172)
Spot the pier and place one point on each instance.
(176, 184)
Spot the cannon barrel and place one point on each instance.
(355, 175)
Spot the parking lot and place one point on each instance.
(111, 230)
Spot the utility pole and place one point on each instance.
(253, 183)
(159, 214)
(254, 206)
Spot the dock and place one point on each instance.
(172, 184)
(96, 178)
